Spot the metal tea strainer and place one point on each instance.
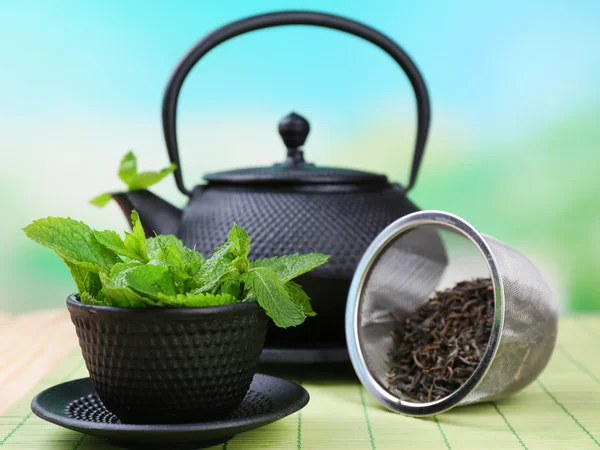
(429, 251)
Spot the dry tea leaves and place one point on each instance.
(437, 348)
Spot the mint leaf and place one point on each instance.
(144, 180)
(85, 280)
(135, 242)
(191, 261)
(171, 255)
(219, 256)
(112, 241)
(300, 298)
(232, 287)
(120, 269)
(101, 200)
(190, 300)
(214, 266)
(117, 291)
(289, 267)
(128, 168)
(73, 241)
(240, 240)
(135, 181)
(240, 248)
(150, 281)
(241, 264)
(219, 277)
(122, 296)
(101, 299)
(156, 245)
(183, 262)
(273, 297)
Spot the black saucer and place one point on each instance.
(75, 405)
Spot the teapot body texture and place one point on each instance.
(340, 221)
(294, 205)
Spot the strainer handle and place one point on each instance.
(234, 29)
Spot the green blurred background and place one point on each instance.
(514, 145)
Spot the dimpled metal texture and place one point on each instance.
(91, 409)
(339, 223)
(167, 365)
(336, 221)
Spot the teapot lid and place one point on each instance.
(294, 130)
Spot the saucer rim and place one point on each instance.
(258, 420)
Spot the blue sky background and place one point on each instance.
(477, 57)
(514, 90)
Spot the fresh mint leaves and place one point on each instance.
(289, 267)
(140, 272)
(300, 298)
(135, 181)
(73, 241)
(272, 295)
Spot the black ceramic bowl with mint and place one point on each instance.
(167, 336)
(170, 365)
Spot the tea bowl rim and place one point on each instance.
(74, 305)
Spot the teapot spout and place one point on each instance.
(157, 215)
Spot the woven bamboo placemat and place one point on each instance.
(561, 410)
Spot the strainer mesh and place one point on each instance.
(530, 326)
(403, 276)
(411, 266)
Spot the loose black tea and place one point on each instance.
(437, 348)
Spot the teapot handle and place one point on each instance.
(202, 47)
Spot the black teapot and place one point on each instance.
(292, 206)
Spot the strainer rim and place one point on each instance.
(390, 233)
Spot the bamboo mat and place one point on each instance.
(561, 410)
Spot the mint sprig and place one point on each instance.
(291, 266)
(135, 181)
(140, 272)
(273, 297)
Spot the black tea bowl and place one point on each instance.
(170, 365)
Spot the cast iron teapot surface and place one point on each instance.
(291, 206)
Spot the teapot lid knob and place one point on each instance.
(294, 130)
